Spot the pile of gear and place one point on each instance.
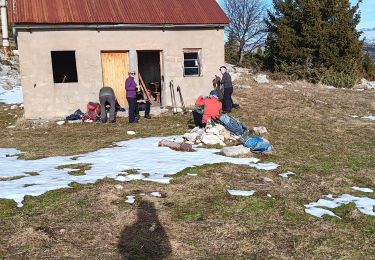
(228, 131)
(211, 135)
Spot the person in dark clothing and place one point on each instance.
(142, 104)
(131, 89)
(216, 82)
(226, 81)
(107, 97)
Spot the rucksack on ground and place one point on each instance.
(93, 112)
(234, 126)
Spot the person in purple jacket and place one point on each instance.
(131, 96)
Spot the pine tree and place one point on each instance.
(232, 49)
(316, 40)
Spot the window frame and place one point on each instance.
(198, 60)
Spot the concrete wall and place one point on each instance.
(44, 99)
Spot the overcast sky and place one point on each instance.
(367, 10)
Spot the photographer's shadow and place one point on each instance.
(146, 238)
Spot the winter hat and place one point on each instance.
(214, 94)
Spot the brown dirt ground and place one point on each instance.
(196, 218)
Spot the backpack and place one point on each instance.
(93, 112)
(199, 109)
(233, 125)
(77, 115)
(258, 144)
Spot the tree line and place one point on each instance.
(316, 40)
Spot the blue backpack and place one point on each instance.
(233, 125)
(258, 144)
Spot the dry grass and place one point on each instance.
(196, 218)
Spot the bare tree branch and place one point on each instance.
(246, 23)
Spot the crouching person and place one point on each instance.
(142, 104)
(207, 108)
(107, 97)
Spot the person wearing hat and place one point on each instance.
(206, 109)
(226, 81)
(131, 96)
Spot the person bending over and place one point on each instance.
(206, 108)
(107, 97)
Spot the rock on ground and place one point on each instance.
(234, 151)
(365, 84)
(261, 130)
(183, 147)
(261, 79)
(210, 139)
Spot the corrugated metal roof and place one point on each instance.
(116, 12)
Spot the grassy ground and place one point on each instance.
(196, 219)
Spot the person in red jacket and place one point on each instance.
(207, 108)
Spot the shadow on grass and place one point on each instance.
(146, 238)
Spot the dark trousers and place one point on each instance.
(227, 102)
(107, 100)
(144, 107)
(198, 119)
(132, 109)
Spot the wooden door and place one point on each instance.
(115, 66)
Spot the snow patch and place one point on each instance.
(241, 193)
(161, 164)
(371, 118)
(366, 190)
(286, 174)
(363, 204)
(156, 194)
(130, 199)
(265, 166)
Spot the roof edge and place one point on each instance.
(25, 26)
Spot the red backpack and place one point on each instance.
(93, 112)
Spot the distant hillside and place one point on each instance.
(369, 36)
(370, 48)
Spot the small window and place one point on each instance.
(192, 64)
(64, 66)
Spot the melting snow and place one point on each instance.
(265, 166)
(12, 96)
(192, 174)
(371, 118)
(241, 193)
(286, 174)
(364, 205)
(156, 194)
(143, 154)
(130, 199)
(366, 190)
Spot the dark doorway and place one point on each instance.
(149, 67)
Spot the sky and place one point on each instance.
(367, 9)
